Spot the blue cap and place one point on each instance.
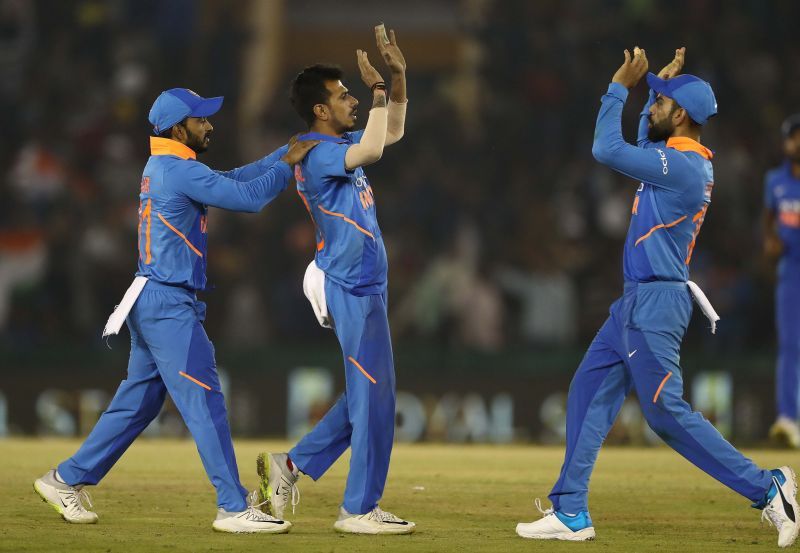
(176, 104)
(692, 93)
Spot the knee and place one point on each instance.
(664, 417)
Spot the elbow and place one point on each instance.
(600, 152)
(372, 155)
(395, 136)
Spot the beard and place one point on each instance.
(196, 143)
(659, 132)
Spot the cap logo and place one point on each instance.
(190, 91)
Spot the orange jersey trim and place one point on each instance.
(661, 386)
(168, 147)
(179, 233)
(201, 384)
(657, 227)
(686, 144)
(346, 220)
(148, 212)
(360, 368)
(321, 243)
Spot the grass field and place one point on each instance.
(158, 499)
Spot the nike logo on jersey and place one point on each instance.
(632, 353)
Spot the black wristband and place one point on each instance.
(380, 85)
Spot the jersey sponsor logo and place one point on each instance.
(663, 157)
(789, 213)
(364, 191)
(366, 197)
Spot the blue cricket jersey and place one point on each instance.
(782, 197)
(176, 192)
(676, 179)
(350, 249)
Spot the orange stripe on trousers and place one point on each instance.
(206, 386)
(655, 397)
(360, 368)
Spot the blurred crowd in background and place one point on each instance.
(501, 229)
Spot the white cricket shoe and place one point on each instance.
(376, 521)
(67, 500)
(250, 521)
(278, 485)
(786, 432)
(557, 526)
(782, 510)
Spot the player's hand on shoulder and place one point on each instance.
(632, 69)
(369, 74)
(298, 150)
(673, 68)
(390, 51)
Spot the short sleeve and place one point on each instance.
(327, 160)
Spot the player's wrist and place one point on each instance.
(379, 86)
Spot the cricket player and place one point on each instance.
(782, 242)
(170, 351)
(638, 347)
(346, 285)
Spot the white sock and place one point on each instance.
(59, 479)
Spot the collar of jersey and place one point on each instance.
(686, 144)
(168, 147)
(325, 138)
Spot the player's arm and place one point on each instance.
(773, 246)
(660, 167)
(391, 54)
(257, 168)
(672, 69)
(205, 186)
(370, 148)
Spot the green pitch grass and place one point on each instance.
(463, 498)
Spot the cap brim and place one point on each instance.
(657, 84)
(207, 107)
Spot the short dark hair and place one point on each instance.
(676, 106)
(167, 133)
(308, 89)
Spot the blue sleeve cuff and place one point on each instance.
(618, 91)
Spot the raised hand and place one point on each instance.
(390, 51)
(632, 69)
(369, 74)
(673, 68)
